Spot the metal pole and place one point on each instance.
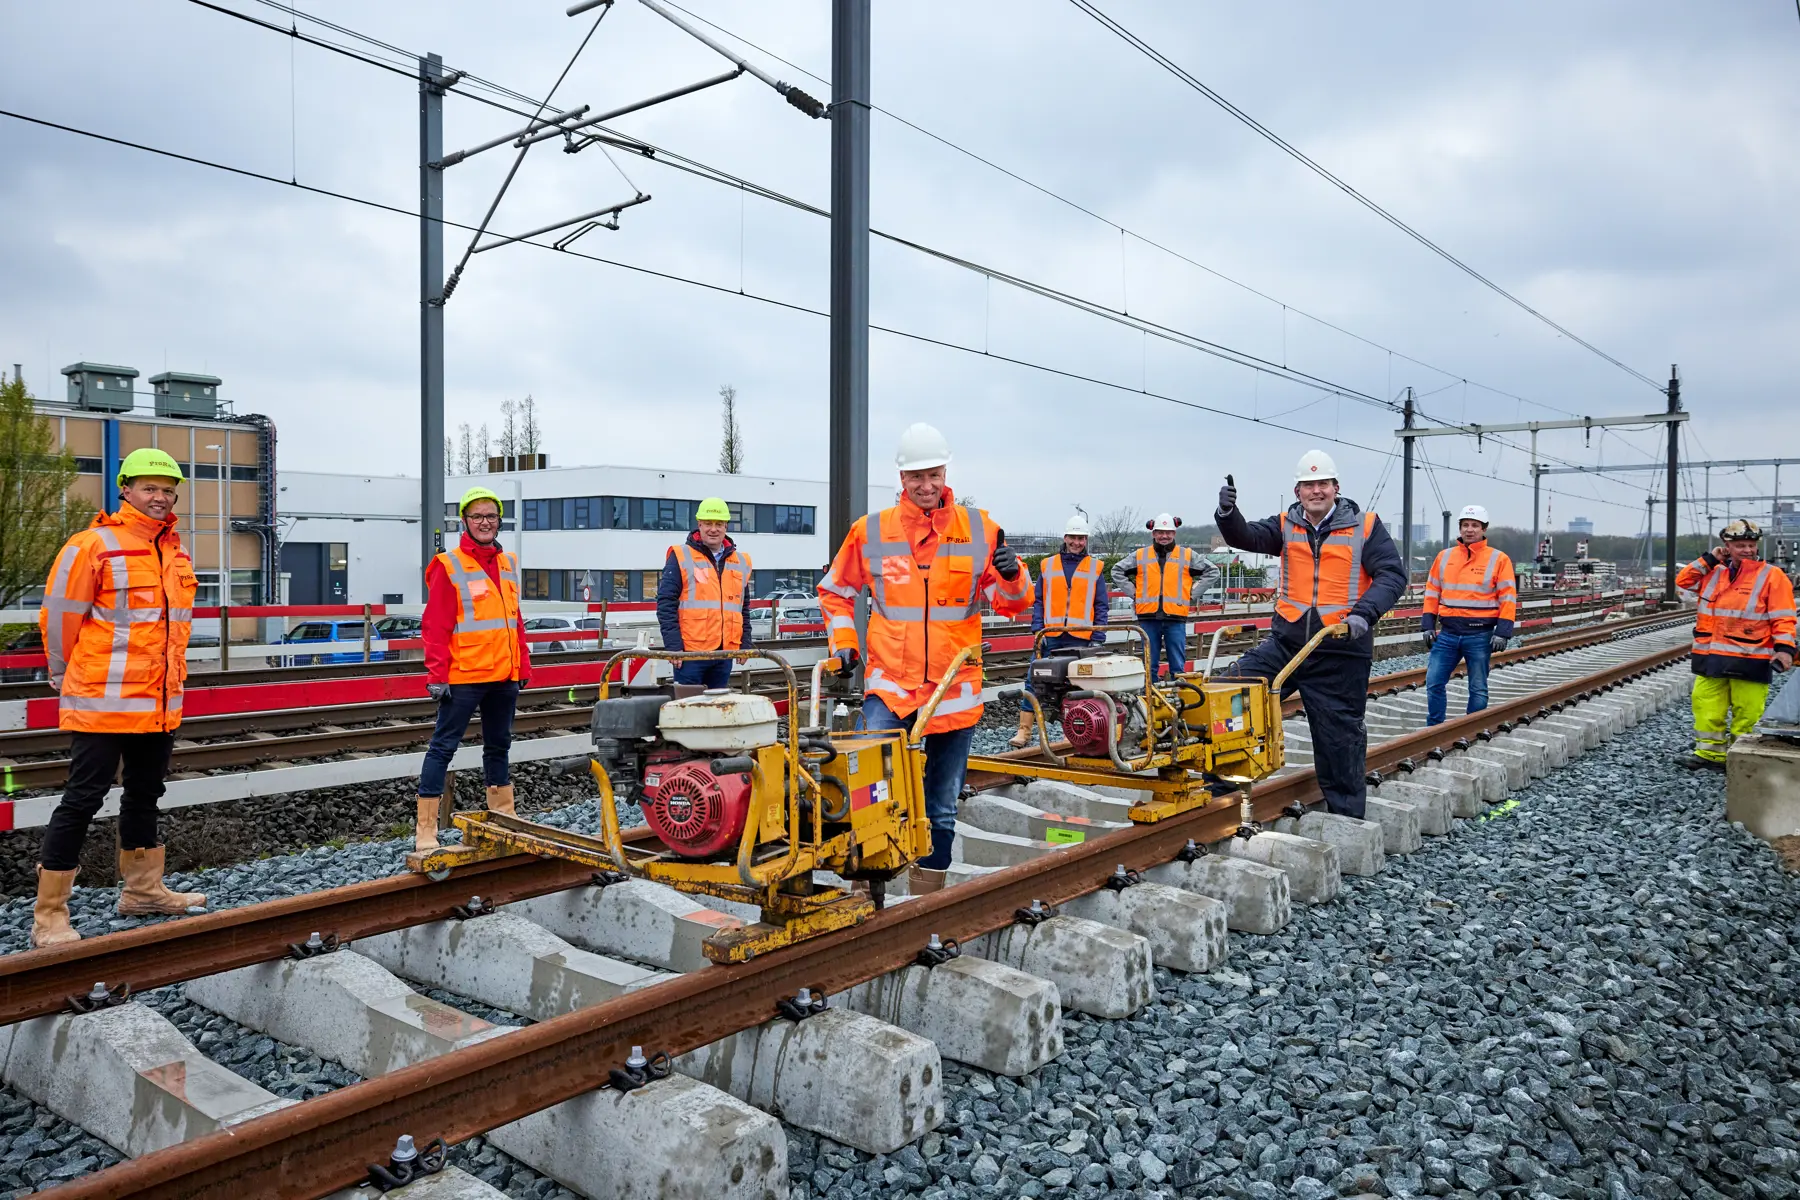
(849, 266)
(1706, 517)
(224, 544)
(1674, 484)
(1406, 486)
(431, 312)
(1775, 504)
(1536, 480)
(1446, 544)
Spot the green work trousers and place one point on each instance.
(1713, 699)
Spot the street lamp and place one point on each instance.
(224, 545)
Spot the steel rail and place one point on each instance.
(315, 1147)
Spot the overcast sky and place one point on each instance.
(1628, 168)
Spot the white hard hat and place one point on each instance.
(1077, 526)
(1165, 522)
(1315, 464)
(1473, 512)
(921, 447)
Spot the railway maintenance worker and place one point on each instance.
(476, 658)
(1743, 633)
(117, 610)
(1471, 591)
(703, 597)
(1338, 565)
(1071, 602)
(1167, 580)
(927, 563)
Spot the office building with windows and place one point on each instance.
(582, 533)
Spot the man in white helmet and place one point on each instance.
(1167, 581)
(1338, 565)
(1071, 603)
(1471, 593)
(927, 563)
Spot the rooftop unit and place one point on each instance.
(100, 387)
(184, 394)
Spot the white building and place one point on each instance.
(354, 539)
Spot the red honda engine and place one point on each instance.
(1085, 724)
(697, 814)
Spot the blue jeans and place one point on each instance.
(496, 702)
(946, 762)
(712, 673)
(1473, 648)
(1166, 635)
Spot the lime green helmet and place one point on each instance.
(149, 462)
(477, 493)
(713, 509)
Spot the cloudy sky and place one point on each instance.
(1628, 168)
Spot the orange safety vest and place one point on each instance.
(484, 642)
(1164, 584)
(711, 609)
(1330, 582)
(117, 611)
(1745, 618)
(921, 617)
(1069, 602)
(1476, 584)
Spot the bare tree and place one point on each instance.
(483, 451)
(450, 463)
(465, 456)
(731, 441)
(1115, 532)
(529, 431)
(509, 428)
(35, 517)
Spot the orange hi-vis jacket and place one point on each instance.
(711, 608)
(1164, 584)
(1330, 582)
(484, 642)
(1069, 603)
(117, 611)
(1474, 583)
(926, 574)
(1741, 622)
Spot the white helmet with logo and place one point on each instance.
(1473, 512)
(1077, 526)
(921, 448)
(1315, 464)
(1164, 523)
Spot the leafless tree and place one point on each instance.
(465, 452)
(482, 450)
(529, 430)
(731, 440)
(1116, 532)
(509, 428)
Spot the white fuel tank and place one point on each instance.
(719, 721)
(1115, 674)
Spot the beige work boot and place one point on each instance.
(500, 800)
(1027, 722)
(50, 919)
(425, 832)
(144, 894)
(922, 881)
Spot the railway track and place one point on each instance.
(34, 760)
(1563, 701)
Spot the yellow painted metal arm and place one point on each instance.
(1338, 630)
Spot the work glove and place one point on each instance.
(847, 660)
(438, 691)
(1784, 660)
(1429, 636)
(1006, 561)
(1497, 643)
(1227, 498)
(1356, 624)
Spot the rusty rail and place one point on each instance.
(316, 1147)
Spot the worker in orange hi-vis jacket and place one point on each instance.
(927, 564)
(117, 610)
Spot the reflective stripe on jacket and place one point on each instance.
(1164, 584)
(710, 604)
(926, 575)
(484, 641)
(1069, 602)
(117, 611)
(1329, 582)
(1473, 583)
(1741, 622)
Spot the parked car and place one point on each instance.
(792, 612)
(329, 631)
(547, 625)
(25, 641)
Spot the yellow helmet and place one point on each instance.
(477, 493)
(713, 509)
(149, 462)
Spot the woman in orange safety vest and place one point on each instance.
(926, 563)
(475, 657)
(117, 610)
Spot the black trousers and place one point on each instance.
(1335, 690)
(93, 761)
